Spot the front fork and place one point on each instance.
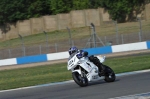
(82, 75)
(82, 72)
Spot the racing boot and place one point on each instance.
(100, 66)
(101, 70)
(96, 61)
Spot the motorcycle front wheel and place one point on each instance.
(81, 81)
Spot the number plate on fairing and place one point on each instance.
(95, 77)
(72, 62)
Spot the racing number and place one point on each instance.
(70, 62)
(95, 77)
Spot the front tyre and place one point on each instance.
(81, 81)
(109, 75)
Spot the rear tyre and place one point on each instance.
(109, 75)
(81, 81)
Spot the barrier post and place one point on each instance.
(46, 40)
(22, 41)
(140, 28)
(70, 38)
(117, 37)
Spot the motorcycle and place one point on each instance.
(84, 71)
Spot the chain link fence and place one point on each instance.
(60, 45)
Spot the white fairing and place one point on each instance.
(101, 58)
(89, 67)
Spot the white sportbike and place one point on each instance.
(84, 71)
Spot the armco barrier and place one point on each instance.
(57, 56)
(129, 47)
(32, 59)
(65, 55)
(148, 44)
(99, 50)
(11, 61)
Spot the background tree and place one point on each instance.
(14, 10)
(119, 9)
(60, 6)
(80, 4)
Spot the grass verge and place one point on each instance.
(24, 77)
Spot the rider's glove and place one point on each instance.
(82, 53)
(85, 54)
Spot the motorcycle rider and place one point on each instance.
(81, 53)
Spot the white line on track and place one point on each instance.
(50, 84)
(135, 96)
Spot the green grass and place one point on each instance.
(24, 77)
(33, 76)
(132, 63)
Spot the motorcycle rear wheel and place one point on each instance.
(81, 81)
(109, 75)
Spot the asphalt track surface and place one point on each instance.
(123, 86)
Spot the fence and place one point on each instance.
(64, 46)
(57, 42)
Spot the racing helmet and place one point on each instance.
(73, 50)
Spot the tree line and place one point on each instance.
(14, 10)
